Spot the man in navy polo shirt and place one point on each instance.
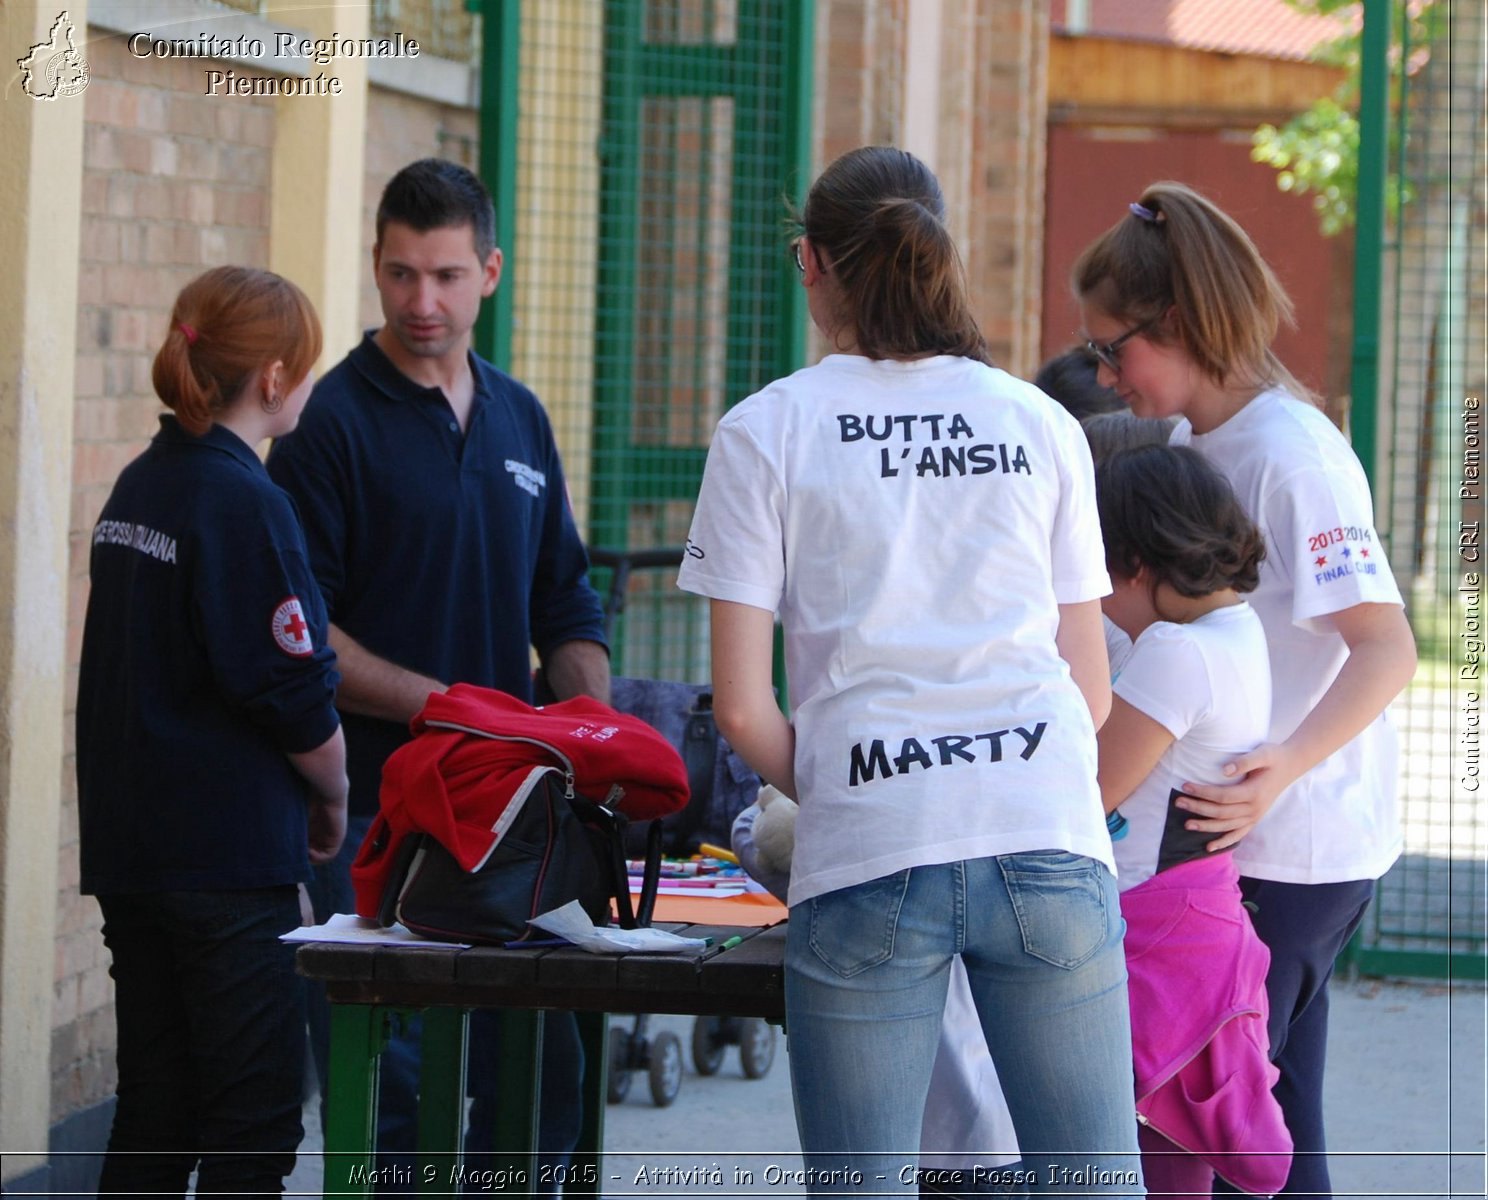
(439, 530)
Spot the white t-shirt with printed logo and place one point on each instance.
(915, 525)
(1207, 683)
(1297, 477)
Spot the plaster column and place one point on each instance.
(315, 216)
(41, 147)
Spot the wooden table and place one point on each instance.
(368, 985)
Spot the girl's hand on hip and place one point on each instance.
(1233, 809)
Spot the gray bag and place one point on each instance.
(721, 782)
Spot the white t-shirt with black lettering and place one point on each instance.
(1207, 683)
(1299, 480)
(915, 525)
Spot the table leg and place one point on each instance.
(594, 1034)
(358, 1034)
(441, 1118)
(521, 1091)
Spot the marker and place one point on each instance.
(726, 944)
(718, 852)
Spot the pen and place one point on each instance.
(719, 852)
(726, 944)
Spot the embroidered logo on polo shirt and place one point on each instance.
(291, 632)
(529, 479)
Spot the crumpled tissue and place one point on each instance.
(572, 923)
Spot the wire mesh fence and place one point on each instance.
(1430, 914)
(655, 151)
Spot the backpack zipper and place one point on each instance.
(568, 767)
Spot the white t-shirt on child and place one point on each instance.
(1207, 683)
(916, 525)
(1299, 480)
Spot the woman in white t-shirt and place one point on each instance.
(1194, 693)
(925, 526)
(1182, 310)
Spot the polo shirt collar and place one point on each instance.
(216, 438)
(379, 370)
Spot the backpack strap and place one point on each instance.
(700, 757)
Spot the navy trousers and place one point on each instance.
(1305, 926)
(211, 1042)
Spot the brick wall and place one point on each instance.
(994, 60)
(402, 129)
(172, 183)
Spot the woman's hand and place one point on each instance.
(1233, 809)
(1381, 660)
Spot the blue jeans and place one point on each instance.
(397, 1108)
(211, 1041)
(867, 969)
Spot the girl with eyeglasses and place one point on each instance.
(1182, 310)
(924, 524)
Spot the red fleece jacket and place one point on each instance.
(473, 762)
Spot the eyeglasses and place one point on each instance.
(795, 249)
(1109, 353)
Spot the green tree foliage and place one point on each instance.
(1317, 151)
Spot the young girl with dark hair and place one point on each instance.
(211, 769)
(925, 526)
(1193, 693)
(1182, 310)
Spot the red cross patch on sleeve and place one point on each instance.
(291, 632)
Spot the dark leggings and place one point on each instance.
(1305, 926)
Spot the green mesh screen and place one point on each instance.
(1429, 915)
(656, 145)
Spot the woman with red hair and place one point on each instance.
(211, 768)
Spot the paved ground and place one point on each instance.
(1405, 1108)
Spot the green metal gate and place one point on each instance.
(1419, 423)
(642, 154)
(705, 133)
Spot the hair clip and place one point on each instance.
(1141, 210)
(187, 332)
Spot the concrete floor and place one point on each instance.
(1405, 1099)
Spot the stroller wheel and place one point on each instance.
(756, 1047)
(666, 1069)
(618, 1085)
(707, 1046)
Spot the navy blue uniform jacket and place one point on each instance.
(449, 554)
(204, 662)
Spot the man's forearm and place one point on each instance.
(374, 687)
(579, 668)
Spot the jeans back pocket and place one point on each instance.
(1061, 904)
(853, 928)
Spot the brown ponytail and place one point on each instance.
(1178, 250)
(878, 218)
(225, 325)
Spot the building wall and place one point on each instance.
(171, 185)
(1095, 171)
(174, 183)
(401, 129)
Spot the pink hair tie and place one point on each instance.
(187, 332)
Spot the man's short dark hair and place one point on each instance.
(435, 193)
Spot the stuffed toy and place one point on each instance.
(764, 838)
